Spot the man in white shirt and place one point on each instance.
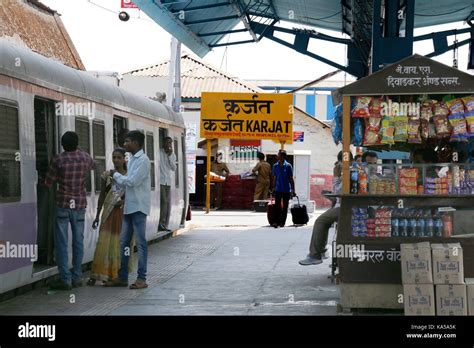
(137, 206)
(167, 167)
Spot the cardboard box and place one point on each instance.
(451, 299)
(416, 263)
(448, 263)
(419, 299)
(470, 295)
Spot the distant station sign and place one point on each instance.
(247, 116)
(298, 137)
(128, 4)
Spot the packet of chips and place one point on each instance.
(388, 131)
(424, 129)
(414, 131)
(376, 106)
(401, 128)
(426, 111)
(440, 120)
(372, 136)
(455, 106)
(468, 103)
(458, 123)
(361, 108)
(358, 132)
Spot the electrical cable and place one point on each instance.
(441, 14)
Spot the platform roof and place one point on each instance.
(201, 25)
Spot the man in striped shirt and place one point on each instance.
(69, 169)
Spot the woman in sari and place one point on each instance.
(106, 261)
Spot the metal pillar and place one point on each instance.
(392, 32)
(173, 98)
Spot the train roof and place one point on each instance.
(24, 64)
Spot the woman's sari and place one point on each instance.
(106, 261)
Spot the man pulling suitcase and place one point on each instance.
(284, 187)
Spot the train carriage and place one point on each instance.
(40, 99)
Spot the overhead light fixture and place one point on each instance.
(124, 16)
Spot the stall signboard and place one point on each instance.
(191, 137)
(247, 116)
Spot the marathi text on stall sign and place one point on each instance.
(247, 116)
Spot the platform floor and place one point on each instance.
(224, 263)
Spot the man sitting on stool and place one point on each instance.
(319, 238)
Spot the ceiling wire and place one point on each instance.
(117, 12)
(441, 14)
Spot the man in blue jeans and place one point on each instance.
(69, 169)
(284, 187)
(137, 206)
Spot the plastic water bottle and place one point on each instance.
(438, 227)
(403, 227)
(430, 227)
(412, 227)
(395, 227)
(420, 227)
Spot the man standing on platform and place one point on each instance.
(284, 187)
(69, 169)
(263, 171)
(220, 168)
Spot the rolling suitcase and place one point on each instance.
(270, 210)
(299, 214)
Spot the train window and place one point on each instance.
(82, 130)
(10, 179)
(150, 151)
(176, 172)
(98, 141)
(120, 130)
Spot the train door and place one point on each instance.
(46, 146)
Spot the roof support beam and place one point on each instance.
(242, 15)
(207, 20)
(231, 43)
(203, 7)
(225, 32)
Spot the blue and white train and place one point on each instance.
(40, 99)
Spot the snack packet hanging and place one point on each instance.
(414, 131)
(424, 129)
(376, 106)
(458, 123)
(470, 122)
(375, 121)
(372, 136)
(468, 103)
(426, 110)
(401, 128)
(455, 106)
(358, 132)
(361, 108)
(440, 120)
(388, 132)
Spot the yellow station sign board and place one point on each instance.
(247, 116)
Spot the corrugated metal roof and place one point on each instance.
(201, 24)
(198, 77)
(39, 28)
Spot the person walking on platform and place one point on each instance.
(263, 171)
(167, 166)
(106, 261)
(136, 208)
(69, 169)
(220, 168)
(284, 187)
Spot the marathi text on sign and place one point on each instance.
(247, 116)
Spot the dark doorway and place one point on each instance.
(45, 148)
